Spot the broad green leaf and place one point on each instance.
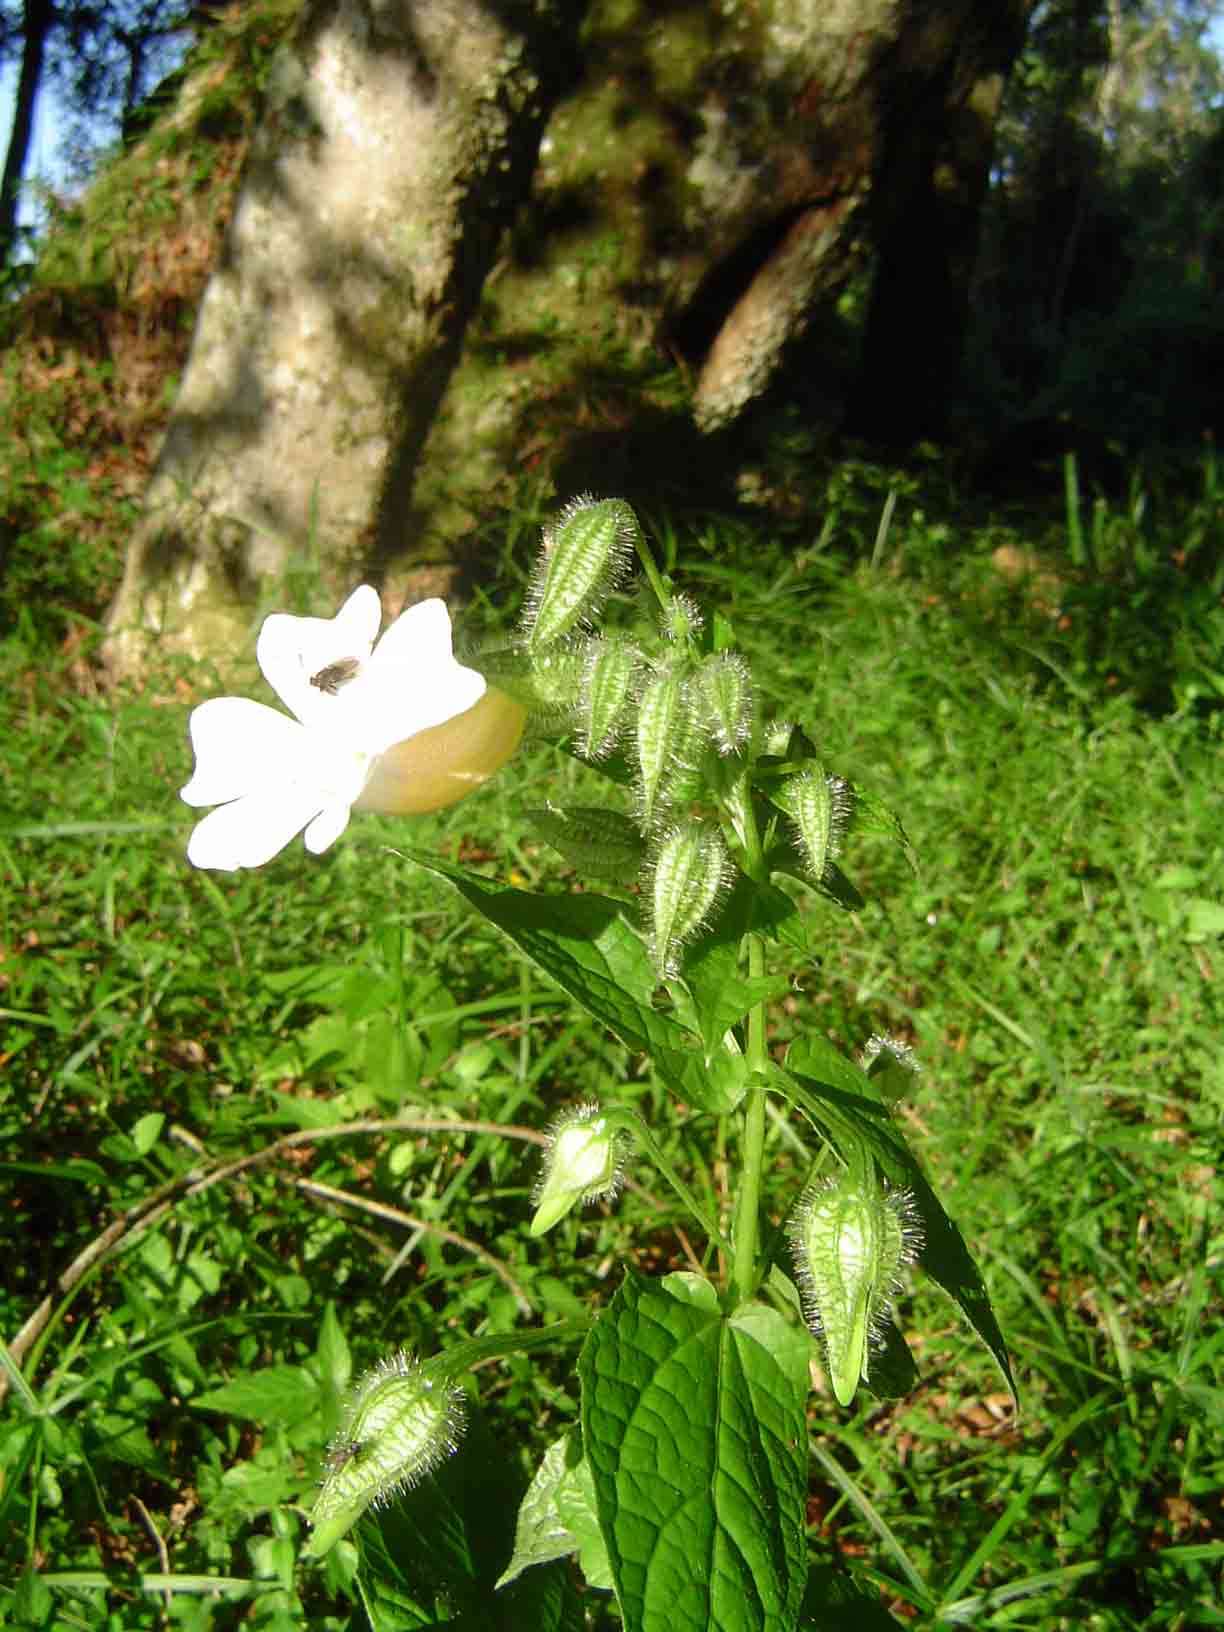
(1204, 919)
(33, 1600)
(855, 1120)
(277, 1394)
(294, 1111)
(540, 1533)
(577, 1506)
(778, 918)
(833, 883)
(116, 1437)
(186, 1280)
(693, 1423)
(248, 1489)
(599, 843)
(584, 943)
(836, 887)
(689, 1287)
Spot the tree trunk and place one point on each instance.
(705, 185)
(37, 20)
(704, 194)
(396, 140)
(934, 169)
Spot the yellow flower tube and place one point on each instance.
(439, 766)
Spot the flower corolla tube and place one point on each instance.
(394, 725)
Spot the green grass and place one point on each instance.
(1056, 962)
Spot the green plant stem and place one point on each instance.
(748, 1206)
(653, 576)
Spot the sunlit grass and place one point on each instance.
(1055, 961)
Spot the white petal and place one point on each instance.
(421, 634)
(326, 828)
(250, 831)
(412, 681)
(240, 746)
(292, 649)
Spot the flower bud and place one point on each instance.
(776, 738)
(682, 619)
(585, 553)
(547, 683)
(399, 1423)
(850, 1238)
(820, 805)
(892, 1066)
(666, 740)
(598, 843)
(611, 667)
(783, 739)
(690, 873)
(442, 765)
(582, 1163)
(723, 690)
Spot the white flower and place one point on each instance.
(353, 702)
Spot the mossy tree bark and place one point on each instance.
(464, 249)
(397, 138)
(705, 194)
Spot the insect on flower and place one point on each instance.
(335, 675)
(392, 724)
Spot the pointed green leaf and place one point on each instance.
(540, 1533)
(833, 886)
(599, 843)
(777, 917)
(872, 815)
(557, 1517)
(277, 1394)
(816, 1057)
(332, 1351)
(694, 1427)
(584, 943)
(147, 1131)
(576, 1505)
(836, 887)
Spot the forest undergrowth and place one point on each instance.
(1039, 697)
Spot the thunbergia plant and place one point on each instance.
(682, 1485)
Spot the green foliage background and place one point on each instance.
(248, 1081)
(1055, 964)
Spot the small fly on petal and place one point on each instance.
(335, 675)
(411, 724)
